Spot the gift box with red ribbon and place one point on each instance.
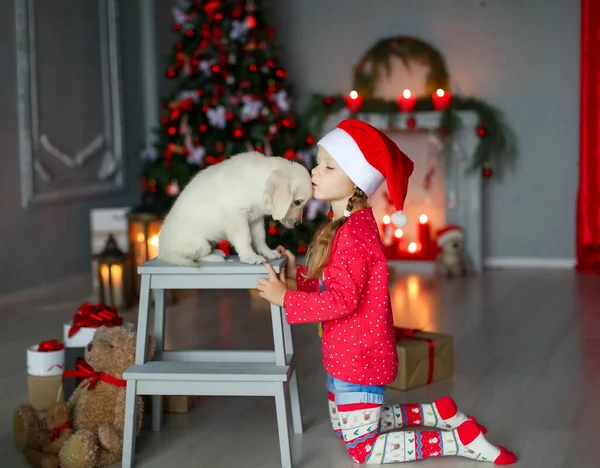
(45, 367)
(424, 357)
(78, 332)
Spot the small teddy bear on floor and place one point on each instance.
(97, 407)
(453, 260)
(41, 448)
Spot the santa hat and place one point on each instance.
(449, 233)
(369, 157)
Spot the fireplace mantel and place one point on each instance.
(463, 189)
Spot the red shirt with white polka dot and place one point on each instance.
(358, 328)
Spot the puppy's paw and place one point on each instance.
(252, 259)
(219, 252)
(213, 257)
(270, 254)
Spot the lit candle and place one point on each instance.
(354, 101)
(116, 273)
(412, 247)
(424, 234)
(112, 281)
(406, 101)
(388, 231)
(140, 249)
(441, 99)
(153, 247)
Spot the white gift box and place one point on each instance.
(80, 339)
(45, 364)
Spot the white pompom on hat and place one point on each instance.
(369, 157)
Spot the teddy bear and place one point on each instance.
(453, 261)
(97, 406)
(41, 449)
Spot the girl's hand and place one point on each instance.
(274, 288)
(290, 268)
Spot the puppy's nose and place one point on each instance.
(90, 346)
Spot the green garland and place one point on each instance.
(497, 142)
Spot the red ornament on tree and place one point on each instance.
(481, 131)
(290, 154)
(281, 73)
(487, 171)
(202, 127)
(270, 63)
(251, 22)
(164, 120)
(238, 133)
(215, 68)
(179, 46)
(189, 33)
(170, 73)
(253, 67)
(176, 27)
(310, 140)
(328, 100)
(172, 131)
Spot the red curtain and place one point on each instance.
(588, 199)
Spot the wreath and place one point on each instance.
(496, 150)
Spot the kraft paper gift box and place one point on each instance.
(45, 367)
(424, 357)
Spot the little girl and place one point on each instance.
(345, 287)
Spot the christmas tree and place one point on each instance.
(230, 95)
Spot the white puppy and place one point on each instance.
(229, 201)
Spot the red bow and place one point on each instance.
(94, 316)
(85, 371)
(56, 432)
(50, 345)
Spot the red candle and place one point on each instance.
(399, 236)
(354, 101)
(406, 101)
(388, 231)
(441, 99)
(424, 235)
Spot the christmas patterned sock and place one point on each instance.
(442, 414)
(465, 441)
(334, 416)
(360, 428)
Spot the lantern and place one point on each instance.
(114, 276)
(144, 228)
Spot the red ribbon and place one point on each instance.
(409, 334)
(94, 316)
(56, 432)
(50, 345)
(85, 371)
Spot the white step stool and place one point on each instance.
(235, 373)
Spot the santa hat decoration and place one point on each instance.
(369, 157)
(449, 233)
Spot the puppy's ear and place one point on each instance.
(279, 193)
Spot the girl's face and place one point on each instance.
(330, 183)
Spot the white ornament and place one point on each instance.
(230, 79)
(204, 66)
(217, 117)
(251, 109)
(179, 17)
(148, 154)
(238, 30)
(281, 98)
(196, 155)
(185, 95)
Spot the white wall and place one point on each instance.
(520, 55)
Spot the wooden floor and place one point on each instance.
(527, 353)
